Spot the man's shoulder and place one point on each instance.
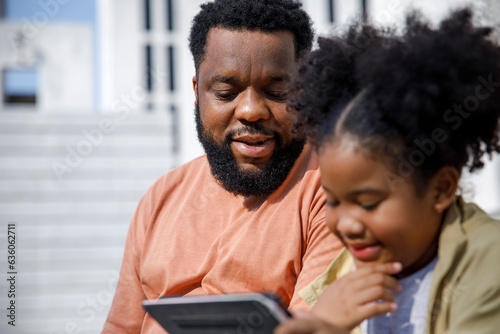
(196, 166)
(305, 172)
(180, 176)
(190, 166)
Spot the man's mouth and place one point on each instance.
(254, 146)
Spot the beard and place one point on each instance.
(226, 171)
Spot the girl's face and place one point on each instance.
(377, 219)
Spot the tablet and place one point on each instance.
(222, 314)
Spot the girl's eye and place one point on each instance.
(332, 204)
(369, 207)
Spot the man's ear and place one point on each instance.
(195, 89)
(445, 184)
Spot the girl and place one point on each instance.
(395, 119)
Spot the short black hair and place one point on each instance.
(263, 15)
(427, 96)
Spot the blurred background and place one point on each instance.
(97, 103)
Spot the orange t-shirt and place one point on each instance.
(189, 236)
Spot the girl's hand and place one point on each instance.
(359, 295)
(306, 323)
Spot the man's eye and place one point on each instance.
(278, 96)
(226, 96)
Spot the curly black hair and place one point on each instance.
(424, 98)
(263, 15)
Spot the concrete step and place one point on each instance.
(27, 163)
(41, 186)
(90, 219)
(46, 173)
(58, 152)
(70, 196)
(84, 324)
(67, 231)
(119, 142)
(68, 208)
(74, 278)
(96, 240)
(30, 255)
(71, 184)
(35, 117)
(84, 130)
(64, 265)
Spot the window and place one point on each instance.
(171, 67)
(20, 86)
(169, 18)
(2, 9)
(149, 68)
(175, 131)
(364, 7)
(147, 14)
(331, 10)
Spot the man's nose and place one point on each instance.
(252, 107)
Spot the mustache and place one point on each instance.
(253, 129)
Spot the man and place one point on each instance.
(249, 215)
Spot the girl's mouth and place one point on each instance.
(366, 252)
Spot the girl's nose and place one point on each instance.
(350, 227)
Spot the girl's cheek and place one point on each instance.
(331, 220)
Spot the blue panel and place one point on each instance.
(20, 82)
(53, 10)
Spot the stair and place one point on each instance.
(70, 184)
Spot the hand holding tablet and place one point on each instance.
(227, 314)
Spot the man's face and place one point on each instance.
(242, 121)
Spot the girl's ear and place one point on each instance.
(445, 183)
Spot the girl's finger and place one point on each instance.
(302, 315)
(390, 268)
(373, 294)
(384, 280)
(374, 309)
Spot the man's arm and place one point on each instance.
(321, 247)
(126, 314)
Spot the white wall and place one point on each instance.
(123, 39)
(62, 54)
